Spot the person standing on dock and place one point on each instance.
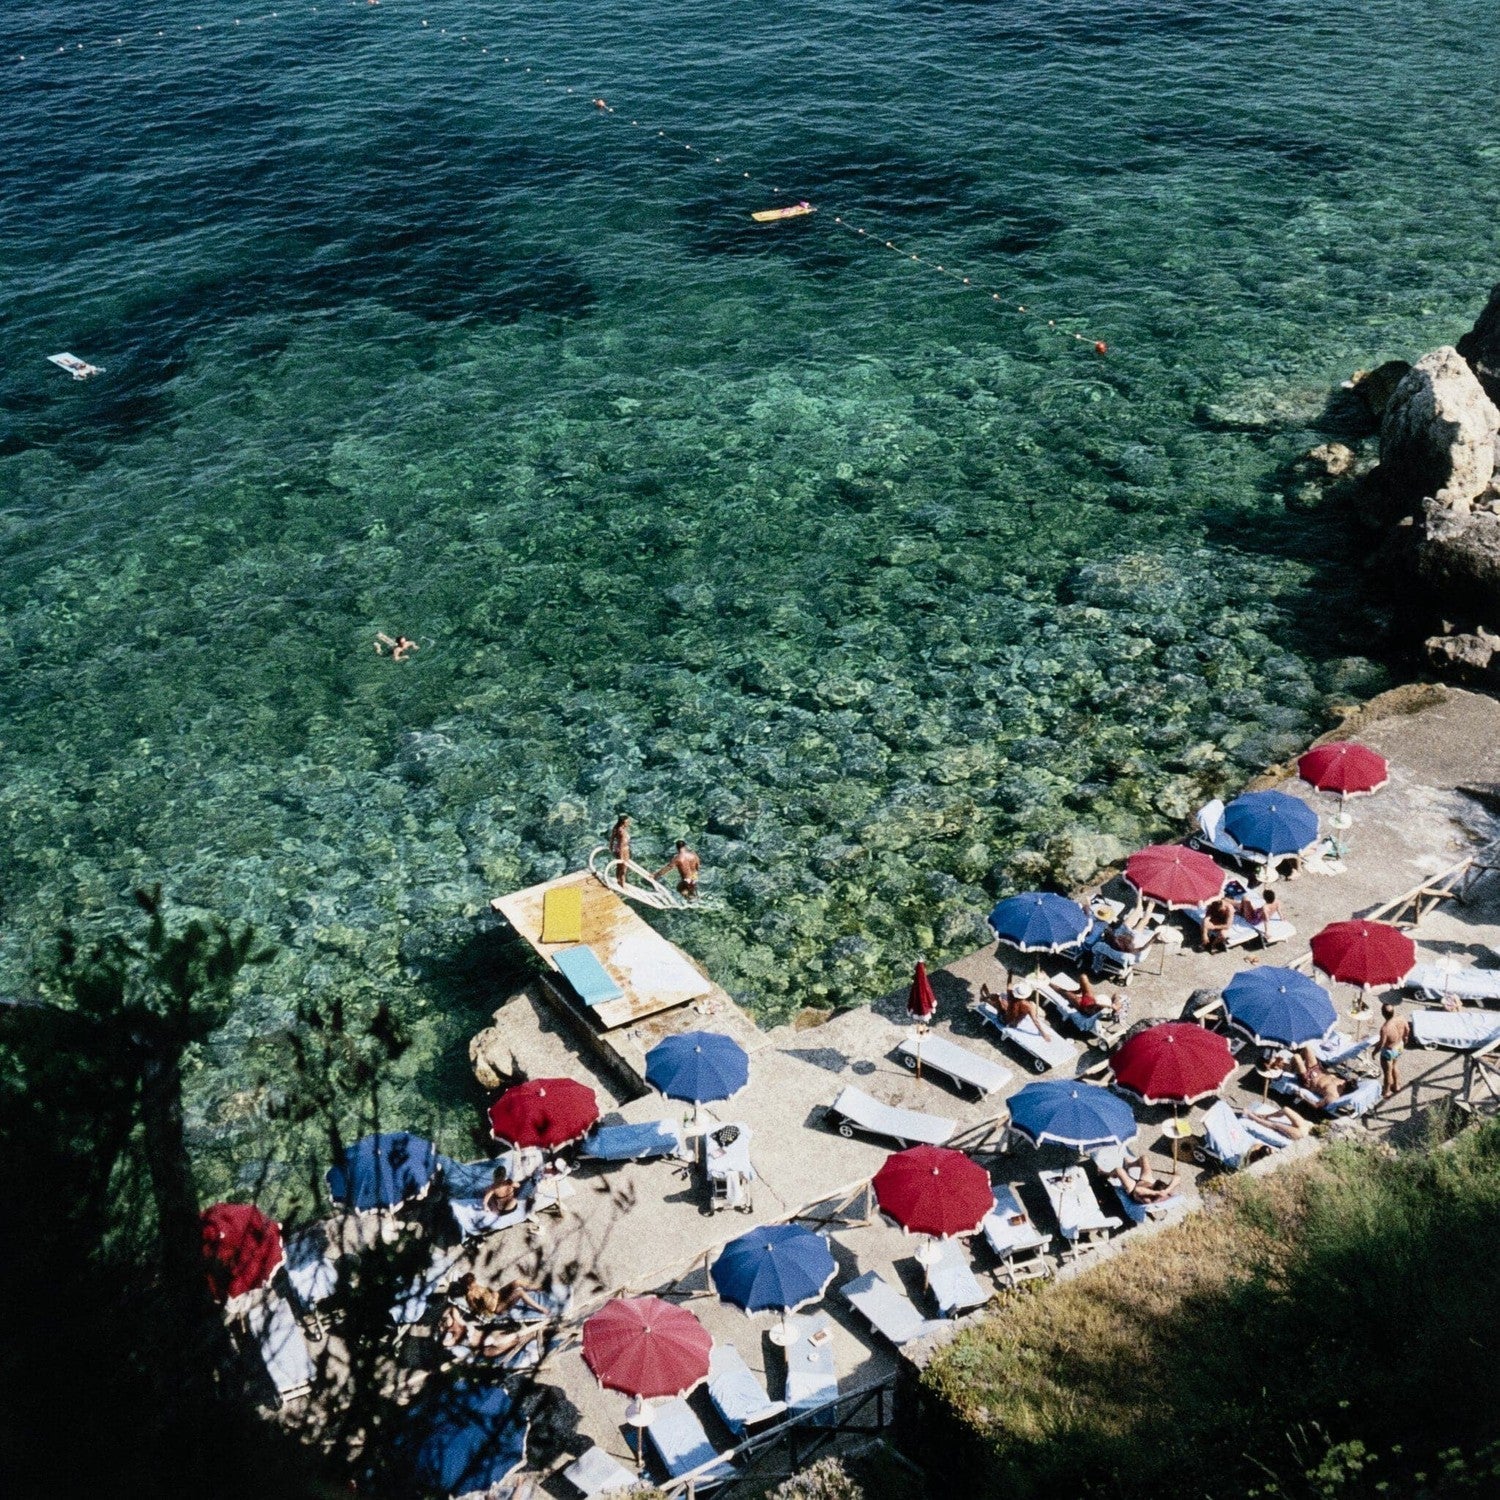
(619, 845)
(687, 864)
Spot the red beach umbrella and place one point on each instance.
(1346, 768)
(1177, 1063)
(544, 1112)
(1175, 875)
(920, 1001)
(645, 1347)
(931, 1190)
(241, 1249)
(1368, 954)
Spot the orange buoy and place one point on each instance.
(1101, 347)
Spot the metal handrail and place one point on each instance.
(786, 1432)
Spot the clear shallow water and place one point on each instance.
(886, 600)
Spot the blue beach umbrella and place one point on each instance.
(778, 1266)
(380, 1171)
(1271, 822)
(1039, 922)
(698, 1066)
(1283, 1006)
(461, 1437)
(1071, 1113)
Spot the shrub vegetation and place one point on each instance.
(1329, 1330)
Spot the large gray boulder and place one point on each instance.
(1480, 346)
(1459, 559)
(1437, 439)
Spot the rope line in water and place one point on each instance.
(994, 298)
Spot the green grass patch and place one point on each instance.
(1333, 1329)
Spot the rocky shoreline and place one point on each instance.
(1435, 492)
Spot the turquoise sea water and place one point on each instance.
(889, 600)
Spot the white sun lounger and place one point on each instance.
(683, 1446)
(729, 1169)
(312, 1266)
(1233, 1139)
(1455, 1030)
(1340, 1047)
(854, 1110)
(952, 1281)
(643, 1142)
(1079, 1216)
(1095, 1024)
(888, 1311)
(811, 1375)
(1212, 838)
(1043, 1053)
(1357, 1103)
(278, 1335)
(1014, 1238)
(1242, 932)
(411, 1305)
(597, 1473)
(736, 1392)
(1448, 981)
(937, 1054)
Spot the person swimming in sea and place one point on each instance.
(401, 647)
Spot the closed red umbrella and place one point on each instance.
(1177, 1063)
(920, 1001)
(1175, 875)
(645, 1347)
(241, 1249)
(931, 1190)
(544, 1112)
(1346, 768)
(1368, 954)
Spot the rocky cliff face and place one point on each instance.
(1439, 478)
(1437, 438)
(1480, 346)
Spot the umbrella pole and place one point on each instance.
(921, 1032)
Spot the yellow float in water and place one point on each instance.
(768, 215)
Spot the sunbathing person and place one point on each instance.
(1218, 918)
(1129, 936)
(1016, 1005)
(1262, 915)
(1317, 1079)
(1284, 1122)
(491, 1343)
(1089, 1001)
(1140, 1185)
(502, 1195)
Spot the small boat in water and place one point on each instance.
(77, 368)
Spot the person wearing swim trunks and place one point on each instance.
(1395, 1032)
(687, 864)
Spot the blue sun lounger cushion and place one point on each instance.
(580, 966)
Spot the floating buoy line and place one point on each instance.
(997, 300)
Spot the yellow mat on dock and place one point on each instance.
(562, 915)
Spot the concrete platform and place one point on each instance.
(648, 1227)
(653, 973)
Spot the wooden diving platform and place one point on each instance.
(653, 974)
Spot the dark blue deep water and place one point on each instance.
(889, 597)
